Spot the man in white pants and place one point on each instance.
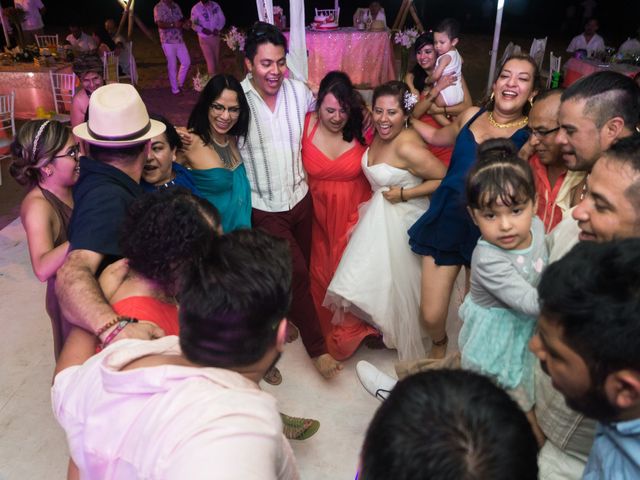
(207, 19)
(170, 22)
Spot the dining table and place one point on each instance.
(366, 56)
(576, 68)
(32, 87)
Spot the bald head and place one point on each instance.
(543, 121)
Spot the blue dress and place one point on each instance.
(446, 231)
(183, 178)
(229, 191)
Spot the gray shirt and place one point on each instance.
(508, 278)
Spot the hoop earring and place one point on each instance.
(530, 103)
(492, 97)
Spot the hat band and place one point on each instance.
(120, 138)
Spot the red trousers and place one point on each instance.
(295, 227)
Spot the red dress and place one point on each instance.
(441, 153)
(337, 188)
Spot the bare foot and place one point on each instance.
(437, 352)
(328, 366)
(292, 332)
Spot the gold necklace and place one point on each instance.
(517, 123)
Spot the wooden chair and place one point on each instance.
(133, 69)
(63, 86)
(110, 70)
(554, 66)
(44, 41)
(7, 124)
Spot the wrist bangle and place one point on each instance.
(122, 322)
(402, 199)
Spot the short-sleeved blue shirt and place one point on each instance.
(101, 199)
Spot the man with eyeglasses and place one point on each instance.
(557, 188)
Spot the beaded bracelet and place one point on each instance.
(123, 322)
(107, 326)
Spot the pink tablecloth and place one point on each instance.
(367, 57)
(577, 68)
(32, 86)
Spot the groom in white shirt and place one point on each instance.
(271, 152)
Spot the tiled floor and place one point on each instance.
(32, 446)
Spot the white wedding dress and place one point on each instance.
(378, 278)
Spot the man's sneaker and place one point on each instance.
(377, 383)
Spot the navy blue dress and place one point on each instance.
(445, 231)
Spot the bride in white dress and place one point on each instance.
(378, 278)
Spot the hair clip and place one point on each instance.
(410, 99)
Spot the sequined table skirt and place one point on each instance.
(367, 57)
(32, 86)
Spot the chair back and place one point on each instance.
(7, 124)
(44, 41)
(537, 50)
(554, 66)
(132, 76)
(63, 86)
(329, 12)
(110, 70)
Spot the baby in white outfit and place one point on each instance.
(449, 62)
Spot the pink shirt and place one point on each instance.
(168, 422)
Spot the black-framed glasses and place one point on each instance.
(233, 111)
(73, 152)
(541, 133)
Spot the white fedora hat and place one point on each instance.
(117, 118)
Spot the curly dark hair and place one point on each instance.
(199, 118)
(340, 86)
(27, 161)
(165, 231)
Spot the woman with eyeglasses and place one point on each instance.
(218, 120)
(45, 158)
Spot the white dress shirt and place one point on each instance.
(83, 44)
(272, 149)
(596, 44)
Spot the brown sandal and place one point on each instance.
(273, 376)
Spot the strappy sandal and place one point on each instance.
(296, 428)
(273, 376)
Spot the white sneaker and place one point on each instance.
(376, 382)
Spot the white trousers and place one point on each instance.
(175, 52)
(211, 51)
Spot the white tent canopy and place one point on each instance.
(297, 56)
(496, 43)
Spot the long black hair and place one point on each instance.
(199, 118)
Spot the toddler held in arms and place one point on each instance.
(449, 62)
(500, 310)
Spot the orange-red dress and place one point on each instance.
(337, 188)
(442, 153)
